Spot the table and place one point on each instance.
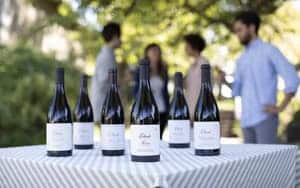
(297, 181)
(239, 166)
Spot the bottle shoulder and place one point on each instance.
(59, 115)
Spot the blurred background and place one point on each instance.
(38, 35)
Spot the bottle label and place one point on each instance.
(59, 136)
(207, 135)
(113, 136)
(83, 133)
(179, 131)
(145, 140)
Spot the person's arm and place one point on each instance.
(288, 72)
(236, 90)
(277, 109)
(185, 81)
(237, 83)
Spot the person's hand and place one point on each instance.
(272, 109)
(277, 109)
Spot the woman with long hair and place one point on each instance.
(158, 80)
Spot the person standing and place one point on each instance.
(104, 61)
(256, 81)
(159, 82)
(194, 45)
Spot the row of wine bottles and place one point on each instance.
(144, 129)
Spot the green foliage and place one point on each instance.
(27, 76)
(165, 22)
(27, 80)
(143, 21)
(293, 129)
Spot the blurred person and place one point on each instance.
(194, 45)
(219, 81)
(158, 80)
(105, 60)
(256, 81)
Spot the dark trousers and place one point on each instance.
(264, 132)
(163, 122)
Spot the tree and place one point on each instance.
(143, 21)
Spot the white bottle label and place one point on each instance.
(83, 133)
(113, 136)
(144, 140)
(207, 135)
(179, 131)
(59, 136)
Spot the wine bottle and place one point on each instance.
(179, 118)
(206, 124)
(145, 128)
(59, 123)
(112, 120)
(83, 136)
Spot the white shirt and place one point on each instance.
(157, 85)
(100, 83)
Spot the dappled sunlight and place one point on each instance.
(70, 31)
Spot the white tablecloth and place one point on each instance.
(298, 169)
(238, 166)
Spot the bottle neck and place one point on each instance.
(178, 91)
(113, 80)
(60, 97)
(206, 79)
(178, 83)
(59, 88)
(83, 105)
(83, 87)
(144, 76)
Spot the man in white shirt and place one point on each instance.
(105, 61)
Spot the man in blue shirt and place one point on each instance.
(256, 81)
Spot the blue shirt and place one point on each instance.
(256, 80)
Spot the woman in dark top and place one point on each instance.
(159, 82)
